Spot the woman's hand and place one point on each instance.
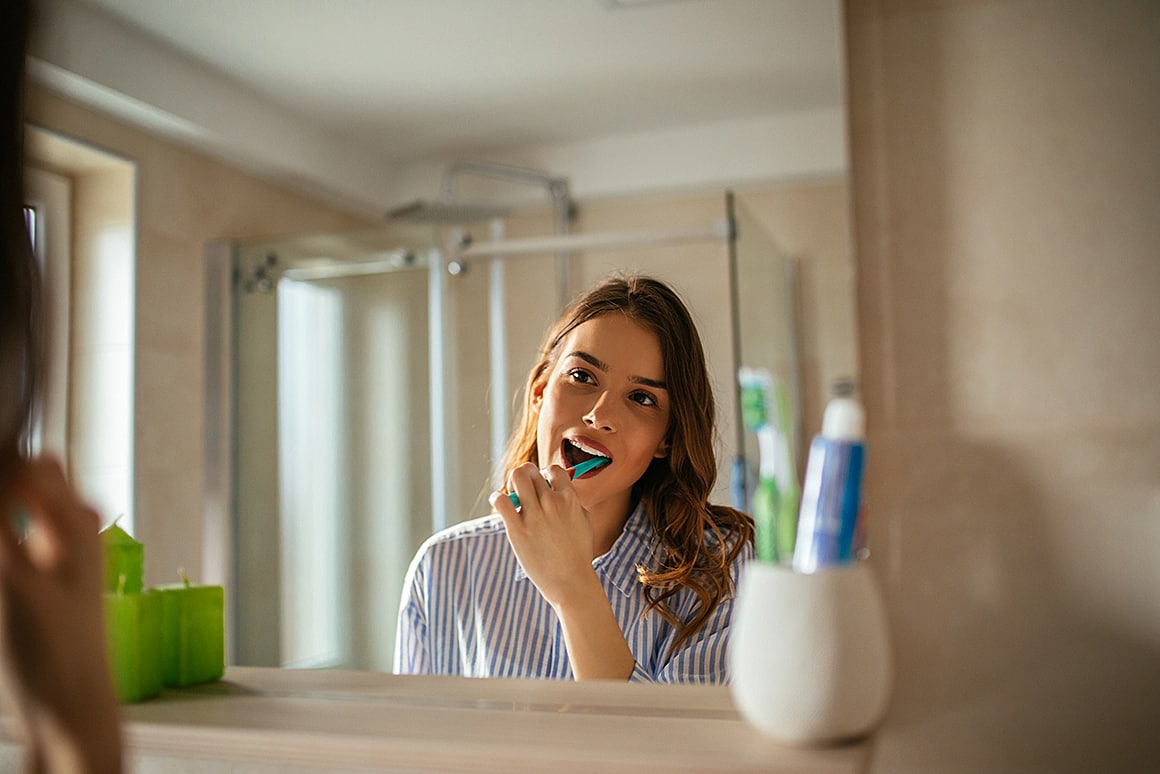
(553, 540)
(550, 534)
(52, 628)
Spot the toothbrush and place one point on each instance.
(573, 473)
(775, 499)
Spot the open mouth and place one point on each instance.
(576, 451)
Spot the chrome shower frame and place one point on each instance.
(450, 209)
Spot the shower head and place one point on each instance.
(446, 212)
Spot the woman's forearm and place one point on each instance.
(596, 646)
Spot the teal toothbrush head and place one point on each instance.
(573, 472)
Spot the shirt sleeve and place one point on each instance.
(412, 656)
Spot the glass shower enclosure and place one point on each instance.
(360, 387)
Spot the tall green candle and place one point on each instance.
(133, 634)
(192, 632)
(124, 557)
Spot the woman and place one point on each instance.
(52, 634)
(625, 573)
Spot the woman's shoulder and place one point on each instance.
(460, 556)
(478, 532)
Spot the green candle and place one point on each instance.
(192, 632)
(133, 634)
(124, 558)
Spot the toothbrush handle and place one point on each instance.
(515, 498)
(583, 467)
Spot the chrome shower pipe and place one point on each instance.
(715, 231)
(557, 187)
(499, 172)
(497, 353)
(442, 383)
(563, 211)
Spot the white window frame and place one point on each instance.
(49, 195)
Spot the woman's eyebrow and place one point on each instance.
(650, 383)
(596, 362)
(590, 359)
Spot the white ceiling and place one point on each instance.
(402, 81)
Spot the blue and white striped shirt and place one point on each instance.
(469, 609)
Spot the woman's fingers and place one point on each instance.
(58, 520)
(14, 564)
(43, 489)
(559, 479)
(15, 504)
(528, 484)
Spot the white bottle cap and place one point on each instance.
(844, 420)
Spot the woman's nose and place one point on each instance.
(600, 416)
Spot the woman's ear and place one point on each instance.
(538, 394)
(662, 450)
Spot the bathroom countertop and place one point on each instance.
(323, 720)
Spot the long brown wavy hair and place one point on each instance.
(699, 540)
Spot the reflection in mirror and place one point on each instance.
(684, 99)
(334, 390)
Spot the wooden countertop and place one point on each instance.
(326, 720)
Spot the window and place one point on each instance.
(80, 214)
(47, 216)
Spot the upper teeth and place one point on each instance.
(586, 448)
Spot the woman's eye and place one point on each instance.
(581, 376)
(644, 399)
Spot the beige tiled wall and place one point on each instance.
(184, 199)
(1006, 179)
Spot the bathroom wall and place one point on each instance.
(1006, 178)
(183, 200)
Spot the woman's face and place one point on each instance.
(605, 395)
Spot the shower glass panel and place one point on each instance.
(767, 335)
(331, 430)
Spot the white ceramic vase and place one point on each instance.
(810, 653)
